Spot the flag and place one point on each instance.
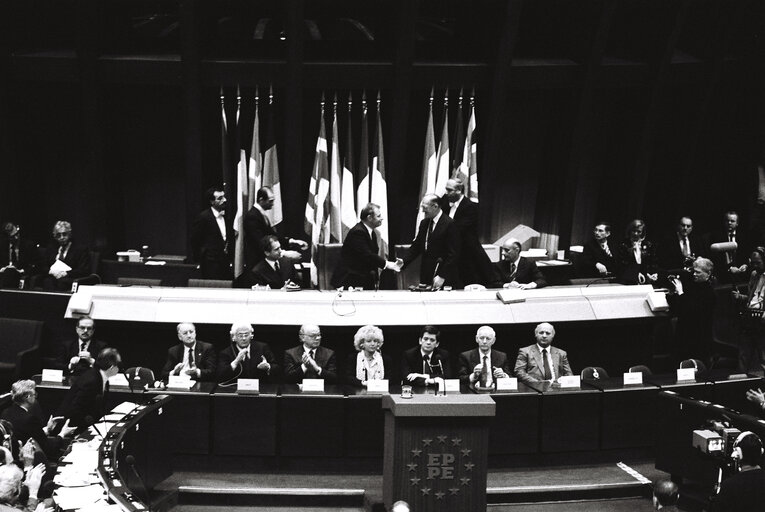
(428, 181)
(443, 162)
(318, 193)
(362, 194)
(241, 193)
(348, 199)
(470, 158)
(255, 171)
(271, 165)
(225, 166)
(379, 193)
(459, 143)
(335, 183)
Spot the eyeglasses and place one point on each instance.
(62, 235)
(243, 335)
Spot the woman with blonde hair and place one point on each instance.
(369, 363)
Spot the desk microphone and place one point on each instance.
(435, 270)
(130, 461)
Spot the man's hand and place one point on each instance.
(239, 358)
(73, 361)
(177, 369)
(302, 244)
(193, 372)
(438, 282)
(391, 265)
(601, 268)
(756, 396)
(678, 285)
(499, 373)
(66, 430)
(412, 376)
(738, 270)
(52, 421)
(33, 479)
(264, 365)
(309, 362)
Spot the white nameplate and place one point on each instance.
(118, 381)
(377, 386)
(569, 381)
(452, 385)
(180, 382)
(686, 374)
(248, 386)
(507, 384)
(49, 375)
(632, 378)
(313, 385)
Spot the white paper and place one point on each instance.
(633, 378)
(313, 385)
(59, 266)
(507, 384)
(377, 386)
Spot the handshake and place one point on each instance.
(394, 265)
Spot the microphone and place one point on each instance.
(90, 421)
(435, 270)
(130, 461)
(126, 374)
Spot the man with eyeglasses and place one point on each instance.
(191, 356)
(245, 358)
(310, 360)
(84, 402)
(422, 365)
(77, 354)
(65, 260)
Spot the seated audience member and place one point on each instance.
(11, 482)
(191, 357)
(730, 265)
(25, 416)
(745, 490)
(677, 252)
(84, 402)
(665, 495)
(245, 358)
(77, 353)
(422, 365)
(310, 360)
(275, 271)
(18, 257)
(541, 361)
(694, 306)
(598, 255)
(368, 363)
(751, 343)
(515, 271)
(472, 362)
(67, 252)
(636, 257)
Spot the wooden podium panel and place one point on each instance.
(436, 450)
(255, 413)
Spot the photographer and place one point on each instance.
(694, 305)
(744, 491)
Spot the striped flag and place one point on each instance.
(271, 165)
(241, 193)
(315, 222)
(362, 194)
(470, 158)
(429, 169)
(379, 192)
(443, 161)
(335, 183)
(255, 171)
(225, 165)
(348, 198)
(459, 143)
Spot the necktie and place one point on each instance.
(374, 242)
(82, 345)
(638, 253)
(60, 255)
(276, 266)
(427, 235)
(426, 365)
(12, 258)
(189, 358)
(686, 249)
(546, 365)
(486, 376)
(606, 249)
(512, 270)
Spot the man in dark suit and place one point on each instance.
(360, 260)
(515, 271)
(245, 358)
(84, 401)
(63, 250)
(77, 355)
(473, 362)
(191, 357)
(212, 237)
(541, 361)
(473, 265)
(751, 343)
(730, 265)
(310, 360)
(274, 271)
(678, 251)
(257, 225)
(19, 257)
(438, 242)
(423, 365)
(598, 255)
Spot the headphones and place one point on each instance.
(736, 452)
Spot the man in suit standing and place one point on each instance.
(679, 250)
(258, 225)
(541, 361)
(63, 250)
(360, 260)
(515, 271)
(78, 354)
(190, 357)
(310, 360)
(729, 265)
(245, 358)
(473, 362)
(437, 241)
(19, 257)
(275, 271)
(597, 254)
(212, 237)
(84, 401)
(422, 365)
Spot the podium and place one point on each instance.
(435, 451)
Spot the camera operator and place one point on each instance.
(745, 490)
(694, 305)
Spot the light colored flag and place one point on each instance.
(348, 197)
(459, 143)
(271, 165)
(362, 193)
(315, 224)
(255, 171)
(444, 163)
(470, 158)
(379, 192)
(225, 163)
(241, 192)
(429, 161)
(335, 182)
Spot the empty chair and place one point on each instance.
(138, 281)
(693, 363)
(594, 373)
(140, 377)
(20, 356)
(210, 283)
(641, 368)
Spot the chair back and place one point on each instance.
(641, 368)
(140, 377)
(693, 363)
(327, 258)
(594, 373)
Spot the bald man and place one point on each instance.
(310, 360)
(541, 361)
(515, 271)
(190, 357)
(472, 361)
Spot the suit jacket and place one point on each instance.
(350, 369)
(77, 257)
(529, 365)
(527, 272)
(469, 359)
(593, 253)
(695, 315)
(249, 367)
(70, 348)
(26, 425)
(738, 257)
(442, 251)
(359, 260)
(411, 362)
(627, 268)
(255, 228)
(204, 358)
(670, 256)
(263, 274)
(84, 398)
(473, 265)
(325, 358)
(208, 246)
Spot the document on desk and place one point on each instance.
(82, 458)
(69, 498)
(102, 506)
(125, 407)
